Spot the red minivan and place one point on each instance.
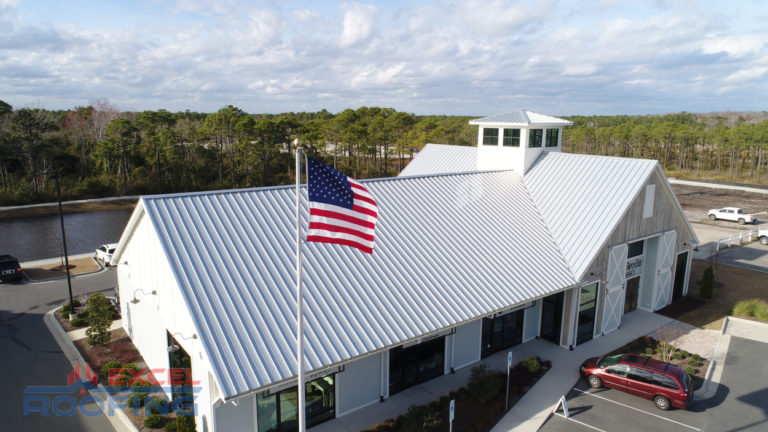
(667, 384)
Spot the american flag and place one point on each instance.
(341, 210)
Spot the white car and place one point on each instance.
(734, 214)
(104, 253)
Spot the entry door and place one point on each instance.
(664, 269)
(631, 294)
(614, 290)
(552, 317)
(682, 264)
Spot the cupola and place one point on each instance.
(514, 140)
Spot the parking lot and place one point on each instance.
(611, 410)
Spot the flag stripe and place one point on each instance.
(366, 249)
(361, 209)
(343, 224)
(339, 229)
(340, 216)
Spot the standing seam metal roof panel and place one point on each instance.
(441, 159)
(570, 189)
(479, 236)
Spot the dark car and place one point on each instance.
(10, 270)
(666, 384)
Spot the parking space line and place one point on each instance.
(581, 423)
(637, 409)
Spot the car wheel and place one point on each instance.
(712, 217)
(764, 240)
(741, 221)
(661, 402)
(595, 381)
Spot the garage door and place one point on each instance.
(664, 270)
(614, 291)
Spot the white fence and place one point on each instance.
(738, 239)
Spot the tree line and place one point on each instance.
(100, 151)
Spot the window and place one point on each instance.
(277, 412)
(640, 375)
(635, 249)
(534, 138)
(415, 364)
(619, 370)
(552, 135)
(587, 307)
(664, 381)
(490, 136)
(512, 137)
(648, 203)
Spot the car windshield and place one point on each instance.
(607, 361)
(111, 251)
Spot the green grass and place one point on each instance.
(752, 308)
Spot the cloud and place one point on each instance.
(359, 24)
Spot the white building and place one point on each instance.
(477, 250)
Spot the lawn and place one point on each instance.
(732, 284)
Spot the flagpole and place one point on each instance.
(299, 301)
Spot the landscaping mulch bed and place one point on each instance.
(120, 348)
(641, 344)
(76, 267)
(478, 406)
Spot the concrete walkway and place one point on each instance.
(80, 333)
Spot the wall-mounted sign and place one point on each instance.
(634, 266)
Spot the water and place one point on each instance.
(40, 238)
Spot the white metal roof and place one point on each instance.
(582, 198)
(449, 248)
(442, 159)
(521, 118)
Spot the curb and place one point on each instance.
(716, 365)
(120, 421)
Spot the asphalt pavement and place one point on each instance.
(29, 356)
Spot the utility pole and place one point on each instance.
(63, 235)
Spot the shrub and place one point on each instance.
(153, 421)
(158, 405)
(136, 400)
(533, 364)
(689, 370)
(127, 376)
(752, 308)
(79, 322)
(170, 427)
(708, 282)
(684, 354)
(649, 351)
(185, 421)
(696, 357)
(69, 306)
(110, 365)
(420, 418)
(693, 362)
(65, 314)
(677, 356)
(484, 385)
(100, 313)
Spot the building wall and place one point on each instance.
(466, 343)
(147, 321)
(359, 384)
(235, 416)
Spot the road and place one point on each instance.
(30, 356)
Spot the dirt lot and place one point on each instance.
(696, 201)
(732, 284)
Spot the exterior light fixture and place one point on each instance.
(135, 300)
(172, 348)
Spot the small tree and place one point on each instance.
(708, 282)
(100, 316)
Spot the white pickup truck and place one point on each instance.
(762, 236)
(734, 214)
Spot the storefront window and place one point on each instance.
(277, 412)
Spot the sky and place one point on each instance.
(463, 57)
